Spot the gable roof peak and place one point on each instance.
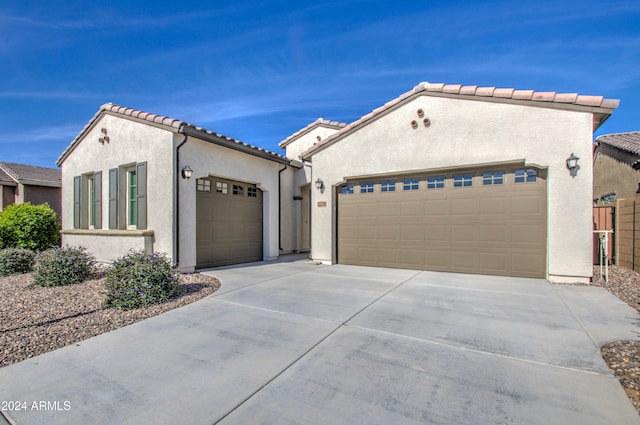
(337, 125)
(600, 107)
(171, 124)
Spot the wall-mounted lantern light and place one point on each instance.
(320, 185)
(187, 172)
(572, 165)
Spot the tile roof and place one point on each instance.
(511, 95)
(629, 142)
(172, 124)
(158, 119)
(31, 174)
(319, 122)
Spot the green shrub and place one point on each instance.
(16, 261)
(138, 280)
(29, 226)
(62, 266)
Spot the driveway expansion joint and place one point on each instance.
(584, 328)
(481, 352)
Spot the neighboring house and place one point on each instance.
(21, 183)
(445, 177)
(616, 167)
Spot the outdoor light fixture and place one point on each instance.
(320, 185)
(572, 165)
(187, 172)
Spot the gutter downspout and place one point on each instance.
(177, 224)
(280, 207)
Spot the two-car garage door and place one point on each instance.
(486, 221)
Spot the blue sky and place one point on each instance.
(258, 71)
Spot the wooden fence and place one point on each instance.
(603, 219)
(627, 230)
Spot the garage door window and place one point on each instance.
(435, 182)
(410, 184)
(238, 190)
(347, 189)
(526, 176)
(252, 192)
(222, 187)
(388, 186)
(204, 185)
(492, 178)
(366, 188)
(462, 180)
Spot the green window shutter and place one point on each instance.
(113, 198)
(97, 200)
(76, 202)
(141, 204)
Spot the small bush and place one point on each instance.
(62, 266)
(16, 261)
(138, 280)
(29, 226)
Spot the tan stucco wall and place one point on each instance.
(130, 142)
(611, 176)
(207, 159)
(468, 132)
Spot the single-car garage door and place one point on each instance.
(486, 221)
(228, 222)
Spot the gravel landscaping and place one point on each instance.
(623, 357)
(35, 320)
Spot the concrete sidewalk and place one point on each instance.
(295, 342)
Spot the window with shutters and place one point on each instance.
(127, 190)
(87, 201)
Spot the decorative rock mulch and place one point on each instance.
(623, 357)
(35, 320)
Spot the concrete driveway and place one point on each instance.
(296, 343)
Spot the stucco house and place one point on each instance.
(444, 177)
(21, 183)
(616, 167)
(134, 180)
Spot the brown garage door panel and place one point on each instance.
(497, 229)
(228, 226)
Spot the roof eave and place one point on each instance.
(202, 134)
(121, 112)
(45, 183)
